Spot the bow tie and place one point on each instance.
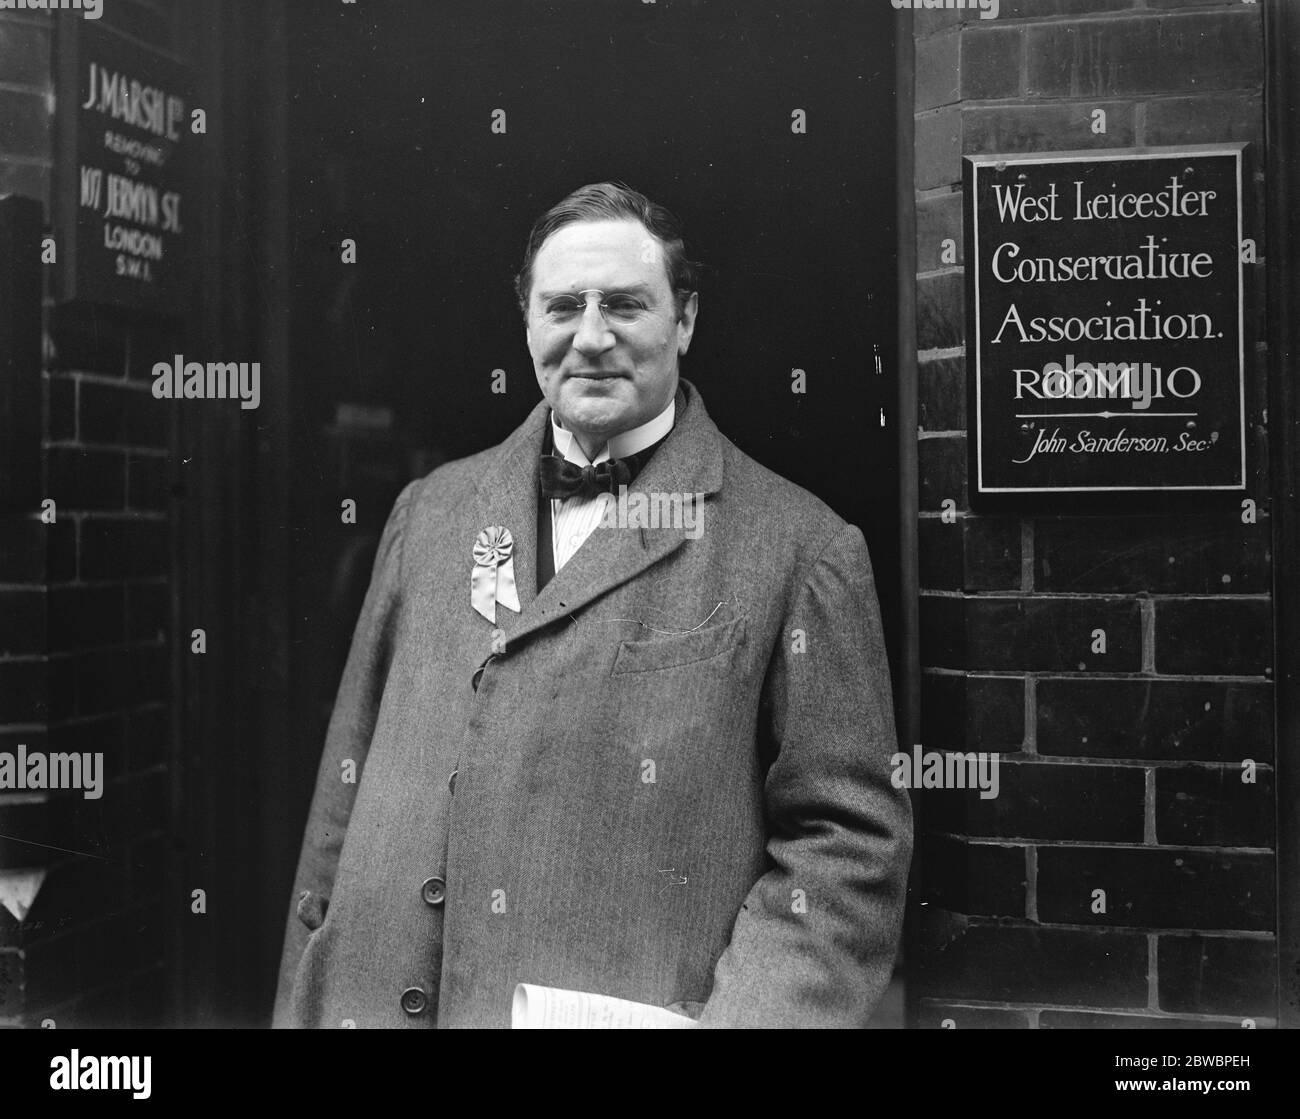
(563, 479)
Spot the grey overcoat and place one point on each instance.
(669, 782)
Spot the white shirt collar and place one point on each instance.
(619, 446)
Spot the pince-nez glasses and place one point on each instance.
(616, 307)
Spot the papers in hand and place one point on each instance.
(550, 1008)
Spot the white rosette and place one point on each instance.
(493, 577)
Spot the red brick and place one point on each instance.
(937, 149)
(116, 679)
(82, 617)
(1202, 807)
(1243, 636)
(1170, 720)
(1156, 888)
(124, 549)
(61, 549)
(1218, 975)
(940, 311)
(938, 218)
(86, 480)
(990, 62)
(1064, 966)
(1103, 58)
(941, 391)
(1038, 128)
(1051, 635)
(25, 53)
(146, 484)
(24, 691)
(936, 71)
(24, 613)
(982, 879)
(942, 626)
(148, 611)
(22, 548)
(1190, 554)
(970, 553)
(969, 712)
(1045, 801)
(148, 736)
(992, 550)
(61, 678)
(63, 408)
(1205, 120)
(106, 679)
(93, 736)
(939, 554)
(86, 341)
(24, 124)
(121, 415)
(941, 463)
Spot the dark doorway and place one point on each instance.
(691, 102)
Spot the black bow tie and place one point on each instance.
(563, 479)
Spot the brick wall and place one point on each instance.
(86, 603)
(1121, 771)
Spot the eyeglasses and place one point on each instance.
(616, 308)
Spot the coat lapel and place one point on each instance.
(508, 496)
(688, 462)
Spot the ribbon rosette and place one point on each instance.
(493, 577)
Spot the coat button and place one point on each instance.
(478, 672)
(414, 1001)
(451, 781)
(434, 890)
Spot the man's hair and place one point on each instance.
(613, 202)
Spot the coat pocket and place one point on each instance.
(674, 650)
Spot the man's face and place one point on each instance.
(604, 373)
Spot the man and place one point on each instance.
(588, 749)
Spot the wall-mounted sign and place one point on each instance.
(123, 215)
(1104, 321)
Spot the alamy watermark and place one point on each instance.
(78, 1071)
(1138, 382)
(90, 9)
(23, 770)
(656, 509)
(935, 769)
(988, 9)
(217, 380)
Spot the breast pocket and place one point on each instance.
(677, 649)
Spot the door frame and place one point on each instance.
(1282, 258)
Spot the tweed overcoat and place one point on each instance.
(671, 769)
